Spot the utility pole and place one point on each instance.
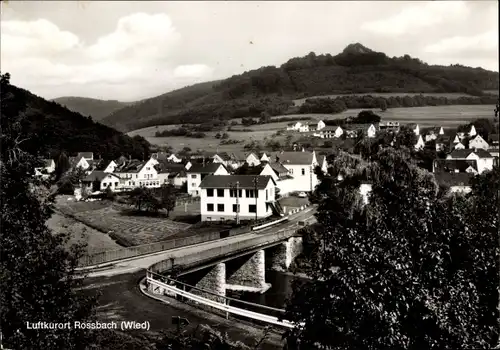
(237, 202)
(255, 183)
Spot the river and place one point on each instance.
(276, 296)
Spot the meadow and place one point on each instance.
(445, 116)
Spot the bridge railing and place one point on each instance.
(224, 250)
(178, 288)
(130, 252)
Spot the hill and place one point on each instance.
(49, 128)
(270, 89)
(95, 108)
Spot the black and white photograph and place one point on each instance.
(249, 175)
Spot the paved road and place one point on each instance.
(143, 262)
(122, 300)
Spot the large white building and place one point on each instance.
(247, 196)
(198, 172)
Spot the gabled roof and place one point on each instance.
(132, 166)
(454, 179)
(97, 175)
(450, 165)
(278, 168)
(208, 168)
(464, 153)
(239, 156)
(443, 139)
(167, 168)
(224, 156)
(298, 158)
(86, 155)
(244, 181)
(249, 170)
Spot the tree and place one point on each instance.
(37, 278)
(62, 165)
(142, 198)
(218, 135)
(225, 136)
(382, 104)
(168, 198)
(415, 270)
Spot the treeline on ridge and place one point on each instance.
(271, 88)
(343, 103)
(49, 128)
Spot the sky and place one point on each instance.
(130, 50)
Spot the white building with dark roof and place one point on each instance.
(198, 172)
(300, 166)
(99, 180)
(484, 159)
(249, 197)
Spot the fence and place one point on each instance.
(169, 286)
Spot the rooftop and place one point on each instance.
(208, 168)
(244, 181)
(97, 175)
(298, 158)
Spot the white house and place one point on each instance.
(247, 196)
(320, 125)
(329, 132)
(298, 126)
(99, 181)
(454, 166)
(459, 146)
(416, 130)
(110, 167)
(136, 174)
(456, 139)
(420, 143)
(198, 172)
(478, 142)
(484, 159)
(457, 182)
(48, 168)
(300, 166)
(472, 131)
(372, 131)
(252, 159)
(441, 131)
(264, 158)
(173, 158)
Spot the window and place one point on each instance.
(148, 168)
(193, 176)
(220, 207)
(193, 184)
(210, 192)
(103, 184)
(232, 193)
(267, 195)
(236, 208)
(210, 207)
(136, 176)
(303, 171)
(116, 183)
(220, 192)
(250, 193)
(291, 171)
(252, 208)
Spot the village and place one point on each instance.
(234, 186)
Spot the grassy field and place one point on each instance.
(446, 116)
(301, 101)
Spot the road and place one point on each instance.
(122, 299)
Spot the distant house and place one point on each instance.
(173, 158)
(442, 142)
(252, 159)
(301, 166)
(329, 132)
(316, 127)
(298, 126)
(484, 159)
(457, 182)
(455, 166)
(135, 173)
(198, 172)
(478, 142)
(434, 133)
(351, 134)
(81, 162)
(99, 181)
(172, 173)
(247, 196)
(456, 139)
(264, 158)
(472, 131)
(48, 168)
(420, 143)
(107, 166)
(223, 158)
(459, 146)
(416, 129)
(372, 131)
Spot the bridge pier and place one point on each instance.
(285, 253)
(249, 275)
(214, 281)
